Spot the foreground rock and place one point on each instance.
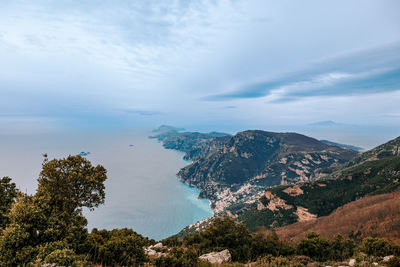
(223, 256)
(156, 251)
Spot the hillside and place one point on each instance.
(194, 144)
(386, 150)
(377, 216)
(284, 205)
(250, 161)
(355, 148)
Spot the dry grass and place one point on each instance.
(376, 216)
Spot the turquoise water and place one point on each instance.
(142, 189)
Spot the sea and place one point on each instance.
(142, 189)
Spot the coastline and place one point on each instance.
(210, 202)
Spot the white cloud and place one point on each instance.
(90, 57)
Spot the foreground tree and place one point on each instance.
(50, 223)
(8, 194)
(71, 183)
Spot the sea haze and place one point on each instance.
(142, 189)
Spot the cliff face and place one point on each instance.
(239, 168)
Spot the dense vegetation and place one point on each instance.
(322, 197)
(48, 227)
(268, 250)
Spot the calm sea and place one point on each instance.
(142, 190)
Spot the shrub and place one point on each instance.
(117, 247)
(63, 257)
(314, 246)
(394, 262)
(378, 247)
(223, 233)
(179, 257)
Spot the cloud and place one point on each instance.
(142, 112)
(372, 71)
(91, 62)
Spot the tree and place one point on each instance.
(314, 246)
(8, 194)
(120, 247)
(379, 247)
(53, 214)
(19, 239)
(224, 233)
(341, 248)
(71, 183)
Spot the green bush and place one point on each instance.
(223, 233)
(394, 262)
(117, 247)
(314, 246)
(379, 247)
(179, 257)
(63, 257)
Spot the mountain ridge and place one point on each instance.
(228, 169)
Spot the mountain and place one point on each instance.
(355, 148)
(242, 167)
(377, 216)
(194, 144)
(165, 128)
(386, 150)
(284, 205)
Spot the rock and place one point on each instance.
(154, 254)
(387, 258)
(223, 256)
(158, 245)
(352, 262)
(375, 263)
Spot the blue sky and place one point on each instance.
(225, 65)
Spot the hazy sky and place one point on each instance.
(217, 64)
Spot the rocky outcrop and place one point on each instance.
(304, 215)
(221, 257)
(156, 251)
(276, 203)
(294, 191)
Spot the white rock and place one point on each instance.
(387, 258)
(223, 256)
(375, 263)
(158, 245)
(352, 262)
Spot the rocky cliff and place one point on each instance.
(241, 168)
(236, 169)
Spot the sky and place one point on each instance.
(329, 69)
